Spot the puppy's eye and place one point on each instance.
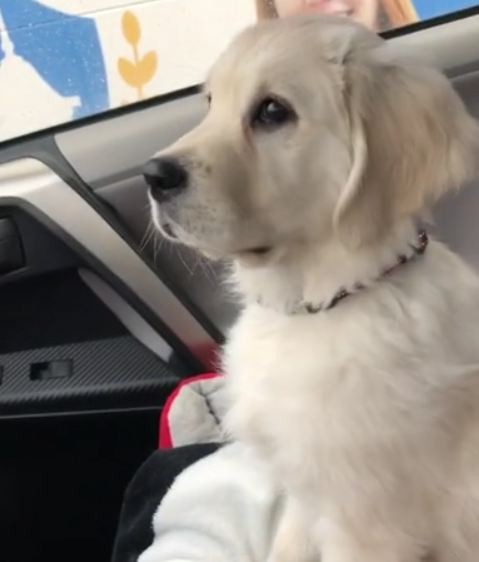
(272, 113)
(208, 99)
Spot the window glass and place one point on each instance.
(379, 15)
(61, 60)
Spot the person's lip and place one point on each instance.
(333, 7)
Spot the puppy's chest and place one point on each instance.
(312, 382)
(285, 371)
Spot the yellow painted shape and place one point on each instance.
(141, 70)
(131, 28)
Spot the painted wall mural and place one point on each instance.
(62, 60)
(66, 59)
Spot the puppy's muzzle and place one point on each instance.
(167, 178)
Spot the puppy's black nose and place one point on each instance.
(165, 176)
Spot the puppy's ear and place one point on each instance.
(412, 140)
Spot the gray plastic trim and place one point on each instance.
(136, 325)
(108, 151)
(451, 46)
(31, 185)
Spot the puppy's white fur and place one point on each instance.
(369, 412)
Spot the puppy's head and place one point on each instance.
(315, 129)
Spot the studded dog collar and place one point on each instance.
(304, 307)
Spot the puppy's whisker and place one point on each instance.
(185, 263)
(208, 269)
(204, 269)
(158, 242)
(198, 263)
(147, 237)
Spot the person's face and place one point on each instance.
(363, 11)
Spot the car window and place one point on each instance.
(62, 60)
(380, 15)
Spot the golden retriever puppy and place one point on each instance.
(354, 365)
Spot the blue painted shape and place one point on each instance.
(428, 9)
(65, 50)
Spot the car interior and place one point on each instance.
(100, 319)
